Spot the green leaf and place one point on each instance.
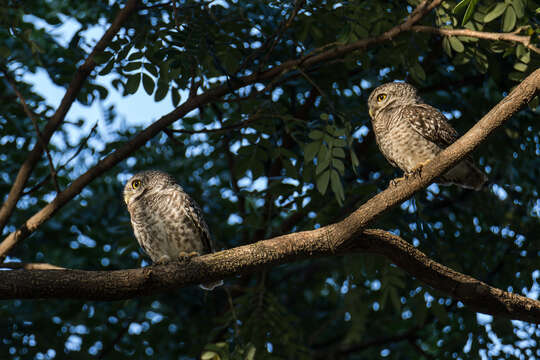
(175, 97)
(418, 72)
(469, 12)
(135, 56)
(316, 134)
(102, 57)
(148, 84)
(337, 186)
(107, 69)
(338, 152)
(210, 355)
(162, 90)
(498, 46)
(354, 160)
(446, 46)
(519, 7)
(322, 182)
(132, 84)
(456, 44)
(338, 164)
(509, 20)
(151, 68)
(135, 65)
(519, 66)
(322, 164)
(516, 76)
(251, 353)
(324, 154)
(461, 6)
(497, 11)
(520, 51)
(311, 149)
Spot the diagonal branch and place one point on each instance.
(194, 102)
(56, 120)
(525, 40)
(340, 238)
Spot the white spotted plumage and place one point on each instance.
(166, 221)
(410, 132)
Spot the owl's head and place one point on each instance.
(390, 95)
(146, 183)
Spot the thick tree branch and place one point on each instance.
(317, 57)
(123, 284)
(29, 266)
(343, 237)
(525, 40)
(56, 120)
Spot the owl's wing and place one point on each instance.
(194, 213)
(430, 123)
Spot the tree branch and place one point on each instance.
(56, 120)
(123, 284)
(340, 238)
(525, 40)
(29, 266)
(190, 104)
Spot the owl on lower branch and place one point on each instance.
(166, 221)
(410, 133)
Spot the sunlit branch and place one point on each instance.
(511, 37)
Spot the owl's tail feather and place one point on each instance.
(211, 286)
(466, 175)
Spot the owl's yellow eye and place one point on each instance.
(135, 184)
(381, 97)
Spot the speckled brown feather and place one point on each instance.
(410, 132)
(166, 221)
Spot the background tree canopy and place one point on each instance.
(270, 134)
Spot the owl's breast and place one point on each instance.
(404, 147)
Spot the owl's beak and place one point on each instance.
(127, 197)
(371, 113)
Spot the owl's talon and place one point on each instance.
(163, 260)
(417, 171)
(395, 182)
(185, 256)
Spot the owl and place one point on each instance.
(410, 133)
(166, 221)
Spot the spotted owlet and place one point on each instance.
(167, 223)
(410, 133)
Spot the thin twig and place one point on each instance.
(512, 37)
(63, 166)
(233, 311)
(271, 41)
(241, 124)
(284, 26)
(29, 113)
